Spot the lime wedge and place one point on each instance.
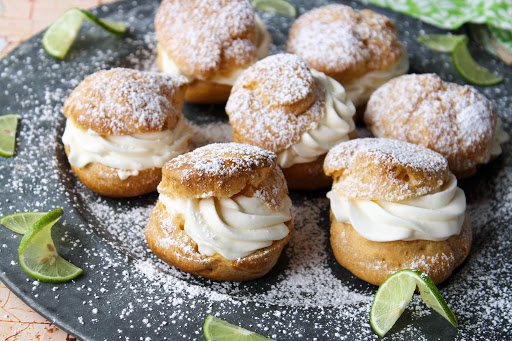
(276, 6)
(470, 70)
(38, 256)
(441, 42)
(432, 297)
(8, 124)
(21, 222)
(216, 329)
(395, 294)
(62, 33)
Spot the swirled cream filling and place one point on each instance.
(129, 154)
(332, 129)
(232, 227)
(263, 41)
(360, 90)
(435, 216)
(500, 137)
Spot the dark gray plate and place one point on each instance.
(127, 293)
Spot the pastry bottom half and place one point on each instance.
(104, 180)
(307, 176)
(200, 91)
(375, 261)
(173, 245)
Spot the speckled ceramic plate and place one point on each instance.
(127, 293)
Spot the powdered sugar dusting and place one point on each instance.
(337, 39)
(222, 159)
(274, 101)
(125, 101)
(456, 121)
(206, 37)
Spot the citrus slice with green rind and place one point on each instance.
(470, 70)
(431, 296)
(38, 255)
(396, 292)
(21, 222)
(276, 6)
(59, 37)
(216, 329)
(441, 42)
(8, 125)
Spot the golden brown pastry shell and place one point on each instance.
(125, 92)
(378, 36)
(104, 180)
(183, 254)
(373, 261)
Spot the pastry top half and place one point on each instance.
(223, 170)
(207, 38)
(279, 99)
(124, 101)
(345, 43)
(385, 169)
(454, 120)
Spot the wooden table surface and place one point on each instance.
(19, 20)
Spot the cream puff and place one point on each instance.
(454, 120)
(122, 126)
(359, 49)
(283, 105)
(395, 205)
(223, 212)
(209, 42)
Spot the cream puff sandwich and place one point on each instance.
(122, 126)
(210, 42)
(223, 212)
(454, 120)
(395, 205)
(283, 105)
(359, 49)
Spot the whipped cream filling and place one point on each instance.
(435, 216)
(263, 41)
(359, 90)
(129, 154)
(500, 137)
(332, 128)
(232, 227)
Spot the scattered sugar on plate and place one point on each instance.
(307, 296)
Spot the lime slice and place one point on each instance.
(276, 6)
(470, 70)
(441, 42)
(38, 256)
(216, 329)
(62, 33)
(431, 296)
(395, 294)
(21, 222)
(8, 124)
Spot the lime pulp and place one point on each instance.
(441, 42)
(62, 33)
(216, 329)
(38, 255)
(8, 125)
(282, 7)
(396, 292)
(470, 70)
(21, 222)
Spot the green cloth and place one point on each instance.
(451, 14)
